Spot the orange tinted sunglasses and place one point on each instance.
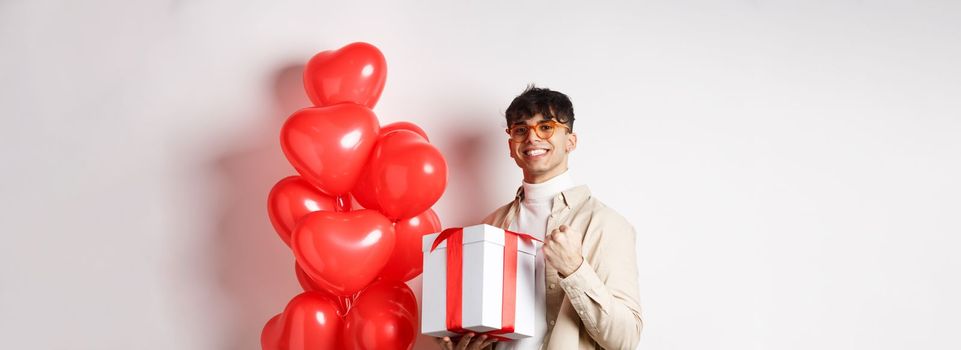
(544, 130)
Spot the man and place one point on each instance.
(586, 272)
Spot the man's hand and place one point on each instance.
(562, 251)
(465, 342)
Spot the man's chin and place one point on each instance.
(532, 170)
(535, 172)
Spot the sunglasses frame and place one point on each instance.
(554, 124)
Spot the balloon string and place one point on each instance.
(342, 201)
(348, 302)
(343, 306)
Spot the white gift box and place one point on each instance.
(483, 279)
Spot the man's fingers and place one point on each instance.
(488, 342)
(559, 230)
(464, 341)
(550, 260)
(548, 251)
(478, 343)
(445, 343)
(558, 236)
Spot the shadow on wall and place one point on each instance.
(470, 194)
(464, 182)
(250, 268)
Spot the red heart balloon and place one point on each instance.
(363, 191)
(355, 73)
(384, 316)
(404, 126)
(407, 260)
(292, 198)
(310, 321)
(309, 285)
(407, 173)
(329, 145)
(343, 251)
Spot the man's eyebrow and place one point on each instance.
(538, 123)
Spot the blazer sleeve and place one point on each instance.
(604, 292)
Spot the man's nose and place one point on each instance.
(532, 135)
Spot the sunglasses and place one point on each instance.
(544, 130)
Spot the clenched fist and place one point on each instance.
(562, 251)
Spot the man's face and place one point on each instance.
(542, 159)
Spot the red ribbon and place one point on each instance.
(455, 279)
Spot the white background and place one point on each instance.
(791, 166)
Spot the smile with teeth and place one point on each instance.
(535, 152)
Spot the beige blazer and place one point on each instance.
(597, 306)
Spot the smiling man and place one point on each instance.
(587, 290)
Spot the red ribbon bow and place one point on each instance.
(455, 271)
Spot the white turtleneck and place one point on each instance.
(534, 209)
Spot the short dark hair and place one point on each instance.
(534, 100)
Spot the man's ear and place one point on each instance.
(571, 142)
(510, 148)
